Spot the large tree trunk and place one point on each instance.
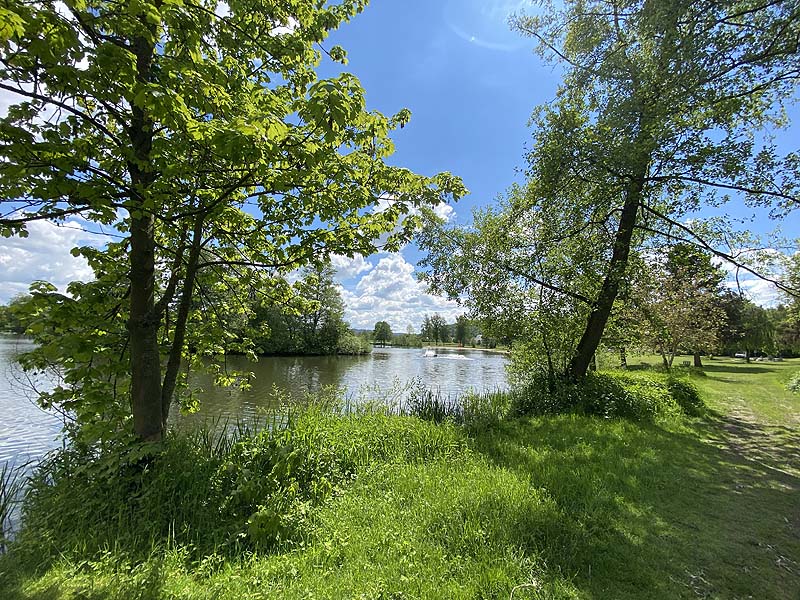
(144, 320)
(143, 329)
(697, 360)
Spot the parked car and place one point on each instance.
(740, 355)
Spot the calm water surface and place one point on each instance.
(383, 375)
(27, 432)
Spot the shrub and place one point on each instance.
(636, 396)
(794, 383)
(350, 343)
(686, 395)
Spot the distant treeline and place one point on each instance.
(310, 321)
(435, 330)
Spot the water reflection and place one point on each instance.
(452, 371)
(27, 432)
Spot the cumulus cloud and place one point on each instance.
(44, 254)
(347, 268)
(444, 211)
(390, 292)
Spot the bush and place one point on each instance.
(794, 383)
(636, 396)
(350, 343)
(686, 395)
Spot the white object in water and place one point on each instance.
(429, 354)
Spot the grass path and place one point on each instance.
(758, 419)
(756, 422)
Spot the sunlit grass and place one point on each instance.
(564, 506)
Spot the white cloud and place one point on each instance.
(44, 254)
(347, 267)
(767, 261)
(7, 99)
(222, 10)
(286, 28)
(759, 291)
(390, 292)
(444, 211)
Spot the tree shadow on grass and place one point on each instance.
(648, 512)
(738, 368)
(774, 447)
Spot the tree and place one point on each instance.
(683, 310)
(461, 329)
(663, 110)
(494, 267)
(652, 107)
(434, 328)
(757, 330)
(749, 326)
(310, 321)
(10, 314)
(382, 333)
(207, 142)
(787, 330)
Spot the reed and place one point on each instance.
(12, 483)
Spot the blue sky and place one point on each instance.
(471, 85)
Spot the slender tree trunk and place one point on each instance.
(642, 148)
(184, 306)
(601, 310)
(697, 360)
(144, 320)
(623, 358)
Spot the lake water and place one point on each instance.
(27, 432)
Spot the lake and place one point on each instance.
(27, 432)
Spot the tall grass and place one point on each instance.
(793, 385)
(363, 503)
(221, 489)
(12, 483)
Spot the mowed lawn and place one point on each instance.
(547, 507)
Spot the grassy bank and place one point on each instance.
(377, 506)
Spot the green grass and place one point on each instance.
(561, 506)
